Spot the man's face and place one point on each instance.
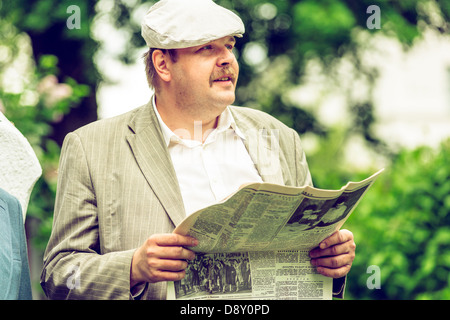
(204, 77)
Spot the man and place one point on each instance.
(125, 183)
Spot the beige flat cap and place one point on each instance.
(175, 24)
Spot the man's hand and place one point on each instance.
(334, 256)
(161, 258)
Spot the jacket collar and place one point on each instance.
(147, 144)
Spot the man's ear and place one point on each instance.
(162, 62)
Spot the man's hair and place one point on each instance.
(152, 75)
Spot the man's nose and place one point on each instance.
(226, 57)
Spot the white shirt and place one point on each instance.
(210, 171)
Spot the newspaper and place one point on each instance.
(255, 244)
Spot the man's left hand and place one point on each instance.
(334, 256)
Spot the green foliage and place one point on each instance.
(41, 103)
(321, 27)
(403, 226)
(40, 15)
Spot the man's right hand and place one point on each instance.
(161, 258)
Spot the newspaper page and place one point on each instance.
(256, 243)
(268, 275)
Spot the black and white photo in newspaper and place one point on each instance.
(268, 275)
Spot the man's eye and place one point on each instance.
(206, 48)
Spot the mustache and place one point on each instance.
(225, 72)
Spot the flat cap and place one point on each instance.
(175, 24)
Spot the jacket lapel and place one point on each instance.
(151, 154)
(263, 146)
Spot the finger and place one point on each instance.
(334, 273)
(173, 239)
(163, 275)
(335, 250)
(169, 252)
(167, 265)
(340, 236)
(333, 262)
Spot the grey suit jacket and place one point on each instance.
(117, 186)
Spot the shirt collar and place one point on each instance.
(226, 121)
(167, 133)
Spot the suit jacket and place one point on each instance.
(117, 186)
(14, 269)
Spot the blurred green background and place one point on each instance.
(315, 65)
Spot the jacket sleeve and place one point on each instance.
(74, 267)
